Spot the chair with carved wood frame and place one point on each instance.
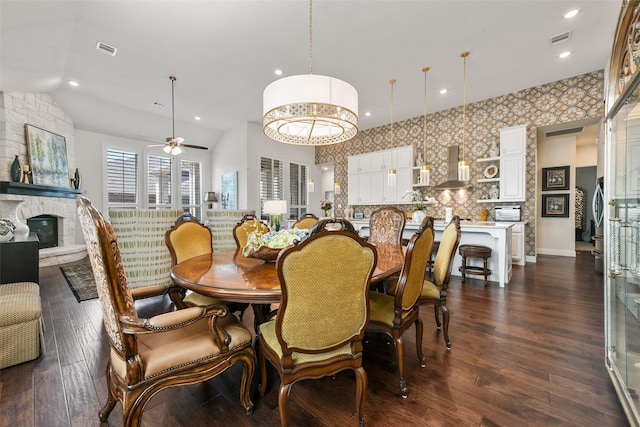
(186, 239)
(310, 338)
(247, 225)
(386, 225)
(394, 314)
(332, 224)
(172, 349)
(306, 221)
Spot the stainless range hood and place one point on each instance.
(452, 182)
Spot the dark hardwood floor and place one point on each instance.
(528, 354)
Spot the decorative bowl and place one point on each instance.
(264, 253)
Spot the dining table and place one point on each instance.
(230, 276)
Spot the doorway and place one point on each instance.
(585, 225)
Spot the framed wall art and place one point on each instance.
(555, 205)
(556, 178)
(229, 193)
(47, 157)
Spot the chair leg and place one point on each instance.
(437, 316)
(445, 325)
(248, 368)
(361, 393)
(400, 354)
(111, 400)
(419, 330)
(486, 267)
(177, 294)
(283, 403)
(464, 267)
(263, 367)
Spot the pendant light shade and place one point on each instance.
(311, 186)
(310, 109)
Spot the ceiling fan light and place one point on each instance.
(167, 149)
(176, 150)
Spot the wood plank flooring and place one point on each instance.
(529, 354)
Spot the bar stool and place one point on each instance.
(475, 251)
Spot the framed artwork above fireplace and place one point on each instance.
(47, 157)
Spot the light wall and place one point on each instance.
(556, 236)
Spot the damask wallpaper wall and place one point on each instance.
(564, 101)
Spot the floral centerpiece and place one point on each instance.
(7, 227)
(326, 206)
(418, 202)
(267, 246)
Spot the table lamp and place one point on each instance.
(275, 209)
(211, 198)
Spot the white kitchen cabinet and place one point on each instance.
(367, 180)
(513, 167)
(517, 244)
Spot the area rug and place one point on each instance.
(80, 280)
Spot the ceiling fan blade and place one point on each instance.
(178, 139)
(199, 147)
(156, 145)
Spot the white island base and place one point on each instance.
(494, 235)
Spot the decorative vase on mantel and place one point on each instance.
(76, 179)
(9, 209)
(16, 170)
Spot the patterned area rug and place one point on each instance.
(80, 280)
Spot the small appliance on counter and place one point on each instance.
(507, 213)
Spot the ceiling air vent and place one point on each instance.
(105, 48)
(563, 132)
(560, 38)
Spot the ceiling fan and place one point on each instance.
(173, 144)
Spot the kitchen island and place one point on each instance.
(495, 235)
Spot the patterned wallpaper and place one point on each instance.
(568, 100)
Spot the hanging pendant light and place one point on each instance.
(425, 169)
(463, 165)
(310, 109)
(311, 185)
(391, 173)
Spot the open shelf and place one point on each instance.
(488, 159)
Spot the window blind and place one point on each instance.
(122, 178)
(159, 182)
(190, 187)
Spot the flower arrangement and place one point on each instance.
(326, 205)
(417, 201)
(6, 227)
(267, 246)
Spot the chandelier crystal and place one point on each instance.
(310, 109)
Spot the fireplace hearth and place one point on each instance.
(46, 227)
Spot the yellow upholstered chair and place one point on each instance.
(306, 221)
(386, 225)
(186, 239)
(434, 292)
(332, 224)
(394, 314)
(247, 225)
(168, 350)
(310, 338)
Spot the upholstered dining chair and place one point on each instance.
(247, 225)
(171, 349)
(386, 225)
(394, 314)
(186, 239)
(434, 291)
(310, 338)
(306, 221)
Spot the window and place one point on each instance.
(159, 182)
(271, 180)
(298, 175)
(122, 179)
(190, 192)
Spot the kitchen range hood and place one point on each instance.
(452, 182)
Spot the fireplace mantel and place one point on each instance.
(8, 187)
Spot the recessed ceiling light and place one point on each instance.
(443, 91)
(571, 13)
(368, 113)
(197, 117)
(324, 168)
(564, 54)
(278, 72)
(74, 84)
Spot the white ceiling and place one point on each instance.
(224, 54)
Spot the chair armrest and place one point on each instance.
(171, 320)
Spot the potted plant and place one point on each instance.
(7, 227)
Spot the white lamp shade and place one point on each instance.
(274, 207)
(310, 109)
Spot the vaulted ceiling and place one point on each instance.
(224, 54)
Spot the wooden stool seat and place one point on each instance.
(475, 251)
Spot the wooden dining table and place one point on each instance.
(230, 276)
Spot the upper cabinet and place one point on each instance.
(510, 171)
(368, 183)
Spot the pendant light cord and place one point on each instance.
(173, 122)
(310, 36)
(464, 99)
(392, 81)
(424, 124)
